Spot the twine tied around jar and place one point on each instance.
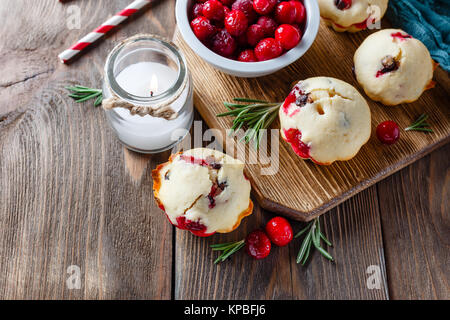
(159, 110)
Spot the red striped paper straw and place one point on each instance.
(104, 28)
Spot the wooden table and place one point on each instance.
(70, 195)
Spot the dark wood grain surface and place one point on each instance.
(71, 195)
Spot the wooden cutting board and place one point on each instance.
(301, 189)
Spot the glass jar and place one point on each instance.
(147, 71)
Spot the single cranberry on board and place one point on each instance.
(388, 132)
(257, 244)
(279, 231)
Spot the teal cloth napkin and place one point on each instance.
(426, 20)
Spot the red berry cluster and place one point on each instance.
(278, 231)
(248, 30)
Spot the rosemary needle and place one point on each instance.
(256, 115)
(228, 249)
(420, 124)
(81, 94)
(313, 238)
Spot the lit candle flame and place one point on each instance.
(153, 85)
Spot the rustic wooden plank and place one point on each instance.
(353, 227)
(241, 277)
(69, 193)
(323, 187)
(414, 207)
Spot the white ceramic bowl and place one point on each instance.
(248, 69)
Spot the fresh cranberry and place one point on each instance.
(267, 49)
(388, 132)
(224, 44)
(227, 2)
(264, 6)
(285, 13)
(343, 4)
(213, 10)
(255, 33)
(288, 36)
(293, 137)
(226, 11)
(247, 56)
(297, 27)
(269, 26)
(246, 6)
(279, 231)
(197, 10)
(300, 11)
(257, 244)
(202, 27)
(236, 23)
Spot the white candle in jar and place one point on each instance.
(148, 133)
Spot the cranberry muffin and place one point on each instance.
(351, 15)
(203, 191)
(325, 119)
(393, 67)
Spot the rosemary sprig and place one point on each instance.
(420, 124)
(228, 249)
(256, 115)
(313, 238)
(81, 94)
